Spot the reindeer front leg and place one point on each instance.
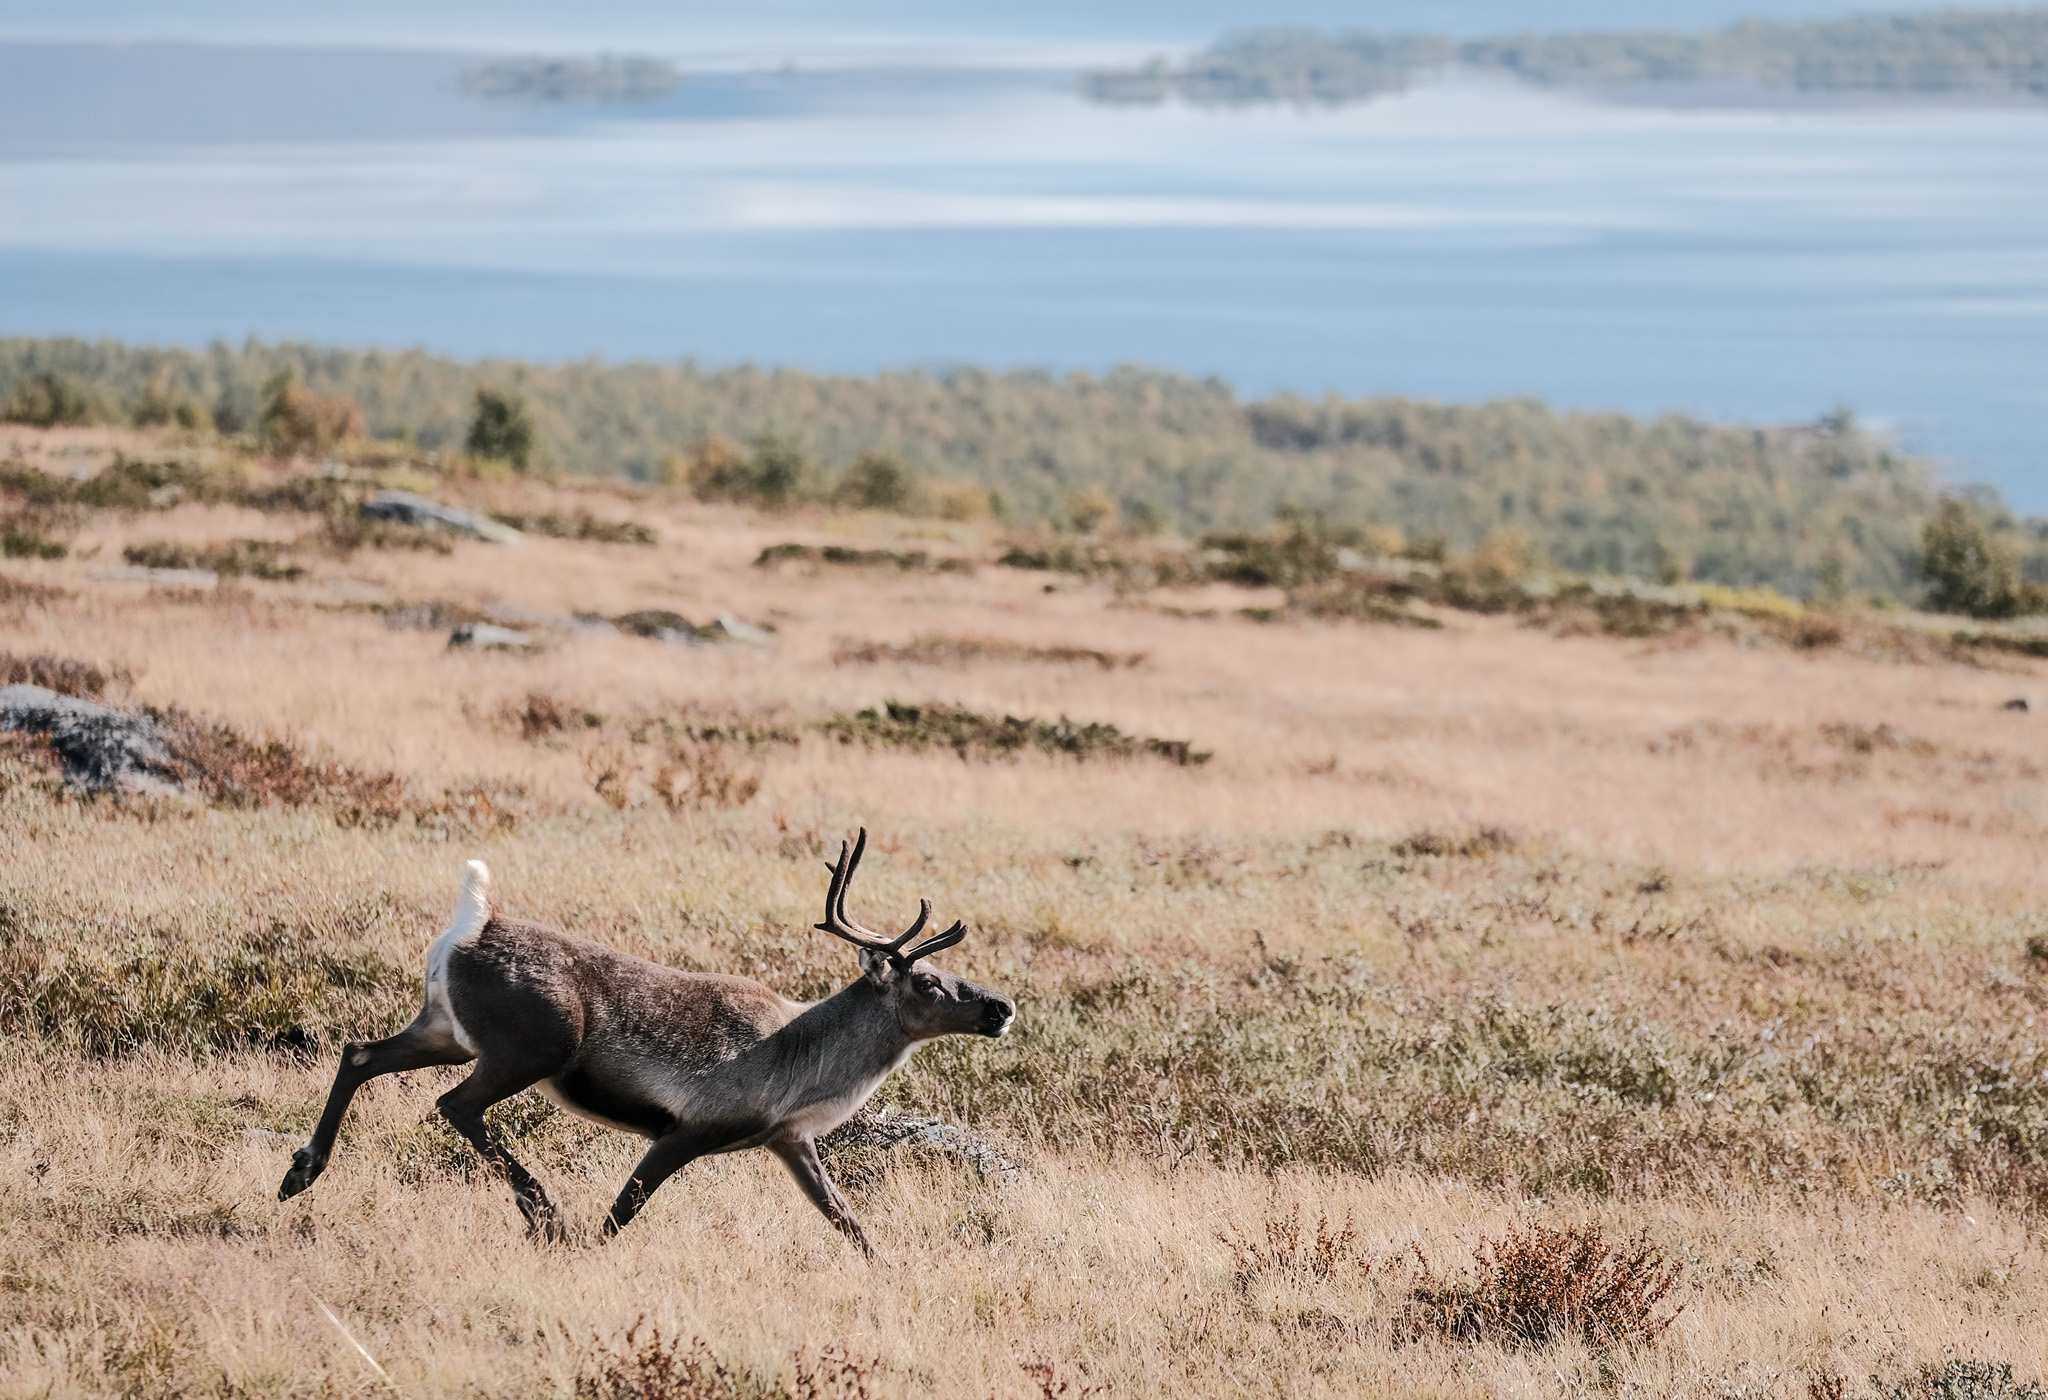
(800, 1155)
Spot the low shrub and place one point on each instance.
(656, 1369)
(63, 674)
(26, 534)
(774, 474)
(261, 559)
(580, 525)
(20, 592)
(1479, 841)
(1124, 563)
(699, 774)
(1283, 559)
(347, 530)
(1285, 1252)
(279, 988)
(1540, 1284)
(915, 561)
(977, 736)
(657, 623)
(2014, 644)
(236, 771)
(543, 715)
(1361, 598)
(36, 488)
(964, 651)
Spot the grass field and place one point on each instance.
(1456, 937)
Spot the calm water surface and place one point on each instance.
(1468, 239)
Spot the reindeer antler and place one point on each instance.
(837, 924)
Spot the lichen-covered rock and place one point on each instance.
(404, 508)
(875, 1132)
(103, 749)
(486, 636)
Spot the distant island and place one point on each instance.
(606, 78)
(1949, 52)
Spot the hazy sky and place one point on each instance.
(685, 25)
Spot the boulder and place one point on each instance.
(103, 749)
(873, 1133)
(728, 628)
(404, 508)
(487, 636)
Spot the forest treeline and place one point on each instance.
(605, 78)
(1946, 52)
(1807, 509)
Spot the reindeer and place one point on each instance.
(699, 1063)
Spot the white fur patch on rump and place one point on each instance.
(472, 912)
(473, 905)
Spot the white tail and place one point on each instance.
(473, 905)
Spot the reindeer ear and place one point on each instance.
(878, 966)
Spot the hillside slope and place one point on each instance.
(1599, 492)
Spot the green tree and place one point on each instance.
(1968, 568)
(876, 481)
(777, 471)
(715, 470)
(160, 407)
(48, 400)
(297, 422)
(501, 429)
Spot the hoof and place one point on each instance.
(541, 1221)
(305, 1171)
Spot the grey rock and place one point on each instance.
(880, 1130)
(404, 508)
(2020, 703)
(590, 625)
(485, 636)
(103, 749)
(730, 629)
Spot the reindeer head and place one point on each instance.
(927, 1003)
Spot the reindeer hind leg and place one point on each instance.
(418, 1046)
(493, 1081)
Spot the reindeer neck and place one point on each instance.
(851, 1030)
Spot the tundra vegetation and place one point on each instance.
(1806, 509)
(1609, 987)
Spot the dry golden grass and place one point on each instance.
(1743, 972)
(1705, 754)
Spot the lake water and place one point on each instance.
(1469, 239)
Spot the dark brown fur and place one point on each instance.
(697, 1062)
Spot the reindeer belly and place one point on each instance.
(605, 1100)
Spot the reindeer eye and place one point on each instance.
(925, 982)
